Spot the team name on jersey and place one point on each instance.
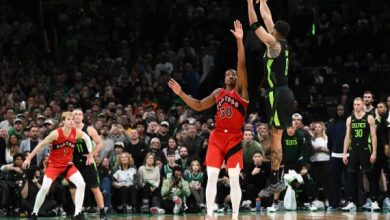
(291, 142)
(227, 99)
(358, 125)
(64, 144)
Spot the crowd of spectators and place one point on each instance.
(113, 60)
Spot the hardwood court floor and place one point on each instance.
(252, 216)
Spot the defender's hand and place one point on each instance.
(237, 32)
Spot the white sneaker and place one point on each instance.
(318, 204)
(386, 203)
(246, 204)
(273, 208)
(178, 203)
(367, 205)
(375, 206)
(350, 207)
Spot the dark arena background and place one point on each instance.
(113, 60)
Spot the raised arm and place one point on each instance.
(251, 13)
(266, 15)
(242, 79)
(51, 137)
(198, 105)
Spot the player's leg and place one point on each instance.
(77, 179)
(235, 190)
(214, 160)
(45, 187)
(276, 154)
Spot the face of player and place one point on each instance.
(340, 110)
(231, 78)
(78, 116)
(69, 122)
(248, 136)
(381, 108)
(357, 106)
(367, 99)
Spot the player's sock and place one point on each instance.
(274, 176)
(42, 193)
(211, 189)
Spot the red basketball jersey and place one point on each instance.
(62, 149)
(231, 110)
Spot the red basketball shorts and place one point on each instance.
(224, 145)
(53, 170)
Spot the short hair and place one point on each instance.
(369, 92)
(66, 114)
(358, 99)
(282, 27)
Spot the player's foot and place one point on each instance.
(350, 207)
(79, 216)
(375, 207)
(33, 216)
(273, 208)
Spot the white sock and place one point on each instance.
(211, 189)
(42, 193)
(78, 181)
(235, 190)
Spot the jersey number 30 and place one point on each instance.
(226, 112)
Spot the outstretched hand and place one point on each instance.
(175, 86)
(237, 32)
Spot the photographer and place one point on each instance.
(14, 178)
(31, 185)
(173, 191)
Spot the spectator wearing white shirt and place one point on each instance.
(124, 182)
(320, 158)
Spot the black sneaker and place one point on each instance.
(79, 216)
(33, 216)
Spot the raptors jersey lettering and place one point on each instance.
(62, 149)
(231, 110)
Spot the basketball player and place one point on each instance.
(279, 97)
(225, 140)
(361, 143)
(84, 161)
(63, 142)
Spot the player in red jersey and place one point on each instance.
(225, 139)
(63, 141)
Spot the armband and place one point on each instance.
(255, 26)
